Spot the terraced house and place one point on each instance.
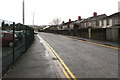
(92, 22)
(96, 21)
(110, 21)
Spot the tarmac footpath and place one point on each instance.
(37, 63)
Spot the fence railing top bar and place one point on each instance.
(6, 21)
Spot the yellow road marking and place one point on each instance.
(94, 43)
(63, 63)
(60, 60)
(65, 73)
(51, 52)
(63, 70)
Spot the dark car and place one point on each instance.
(7, 39)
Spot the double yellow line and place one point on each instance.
(94, 43)
(69, 75)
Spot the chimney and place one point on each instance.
(95, 14)
(79, 17)
(69, 20)
(63, 22)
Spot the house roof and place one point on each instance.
(67, 23)
(97, 17)
(79, 21)
(115, 15)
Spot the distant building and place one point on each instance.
(119, 6)
(64, 26)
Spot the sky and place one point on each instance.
(47, 10)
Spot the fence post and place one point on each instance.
(89, 33)
(13, 41)
(24, 38)
(118, 37)
(105, 33)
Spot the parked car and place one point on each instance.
(19, 34)
(7, 39)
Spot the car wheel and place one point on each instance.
(10, 44)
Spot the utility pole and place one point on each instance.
(33, 13)
(33, 19)
(23, 13)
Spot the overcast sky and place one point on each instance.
(46, 10)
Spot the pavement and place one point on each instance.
(35, 63)
(104, 42)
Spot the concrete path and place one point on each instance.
(35, 63)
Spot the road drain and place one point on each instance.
(82, 39)
(54, 58)
(109, 45)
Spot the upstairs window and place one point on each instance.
(102, 23)
(108, 21)
(97, 23)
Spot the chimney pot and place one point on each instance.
(69, 20)
(79, 17)
(95, 14)
(63, 22)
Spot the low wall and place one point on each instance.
(111, 34)
(99, 34)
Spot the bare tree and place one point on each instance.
(55, 21)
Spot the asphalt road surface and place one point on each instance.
(85, 60)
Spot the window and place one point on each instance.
(97, 23)
(108, 21)
(116, 21)
(102, 22)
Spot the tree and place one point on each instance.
(55, 21)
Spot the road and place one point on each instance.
(85, 60)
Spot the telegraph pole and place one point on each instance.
(33, 13)
(23, 13)
(33, 19)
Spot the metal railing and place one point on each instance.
(16, 39)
